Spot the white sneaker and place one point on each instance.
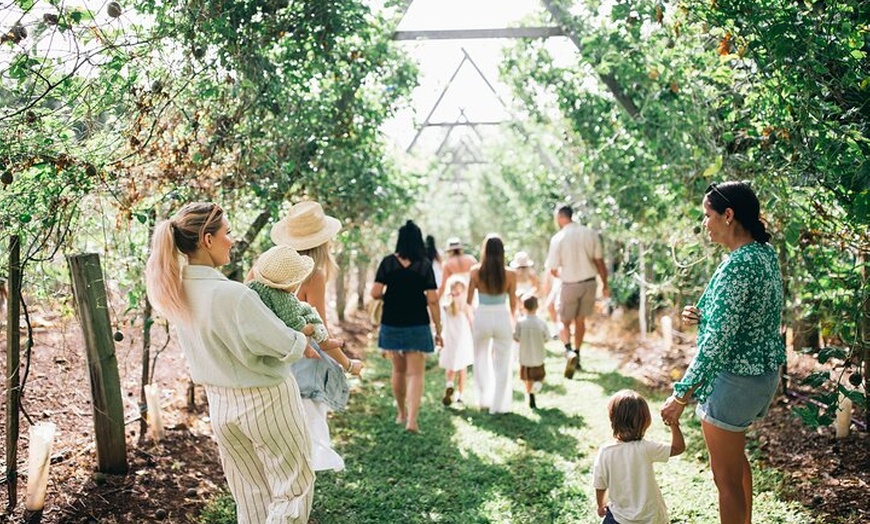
(537, 387)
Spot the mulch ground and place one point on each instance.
(171, 481)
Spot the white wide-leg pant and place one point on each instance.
(492, 357)
(265, 451)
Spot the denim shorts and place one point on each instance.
(737, 400)
(406, 338)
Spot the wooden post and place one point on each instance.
(89, 290)
(13, 379)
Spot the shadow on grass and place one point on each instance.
(439, 475)
(540, 431)
(612, 381)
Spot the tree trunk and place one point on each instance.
(864, 334)
(343, 261)
(805, 331)
(641, 270)
(234, 268)
(362, 273)
(13, 362)
(147, 321)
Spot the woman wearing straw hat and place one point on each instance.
(527, 280)
(406, 282)
(277, 273)
(241, 352)
(457, 263)
(308, 230)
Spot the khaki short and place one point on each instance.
(534, 373)
(578, 299)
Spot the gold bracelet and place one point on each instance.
(678, 401)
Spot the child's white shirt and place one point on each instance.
(625, 470)
(533, 334)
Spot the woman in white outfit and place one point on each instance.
(241, 352)
(496, 285)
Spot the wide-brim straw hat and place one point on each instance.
(522, 259)
(282, 267)
(306, 226)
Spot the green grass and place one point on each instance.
(528, 466)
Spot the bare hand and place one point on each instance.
(310, 352)
(602, 511)
(671, 411)
(691, 315)
(332, 343)
(606, 292)
(356, 367)
(308, 330)
(439, 341)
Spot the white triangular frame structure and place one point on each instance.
(559, 15)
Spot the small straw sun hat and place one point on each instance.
(306, 226)
(522, 259)
(453, 244)
(281, 267)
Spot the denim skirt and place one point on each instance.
(737, 400)
(406, 338)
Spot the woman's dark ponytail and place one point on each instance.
(758, 231)
(740, 197)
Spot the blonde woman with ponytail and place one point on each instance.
(241, 352)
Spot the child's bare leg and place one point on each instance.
(460, 380)
(448, 375)
(529, 384)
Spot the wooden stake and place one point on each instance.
(89, 290)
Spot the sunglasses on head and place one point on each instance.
(712, 187)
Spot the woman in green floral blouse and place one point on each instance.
(736, 371)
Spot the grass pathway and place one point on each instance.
(525, 467)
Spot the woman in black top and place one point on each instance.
(406, 282)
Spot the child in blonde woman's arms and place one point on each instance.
(276, 275)
(623, 471)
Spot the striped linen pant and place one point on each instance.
(493, 378)
(265, 451)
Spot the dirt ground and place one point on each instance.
(171, 481)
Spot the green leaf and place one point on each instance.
(713, 168)
(809, 415)
(816, 379)
(828, 353)
(857, 397)
(793, 234)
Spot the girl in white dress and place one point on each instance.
(458, 351)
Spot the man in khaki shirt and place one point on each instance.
(575, 256)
